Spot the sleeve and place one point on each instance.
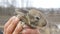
(1, 32)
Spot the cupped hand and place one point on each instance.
(13, 26)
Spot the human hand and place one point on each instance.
(14, 27)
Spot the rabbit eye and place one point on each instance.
(38, 18)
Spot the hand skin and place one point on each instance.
(14, 27)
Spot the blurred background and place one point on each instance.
(50, 8)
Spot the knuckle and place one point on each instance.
(9, 30)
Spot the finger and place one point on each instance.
(30, 31)
(18, 29)
(26, 27)
(8, 23)
(12, 26)
(26, 31)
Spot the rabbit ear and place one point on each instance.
(21, 10)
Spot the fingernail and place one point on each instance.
(13, 17)
(16, 19)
